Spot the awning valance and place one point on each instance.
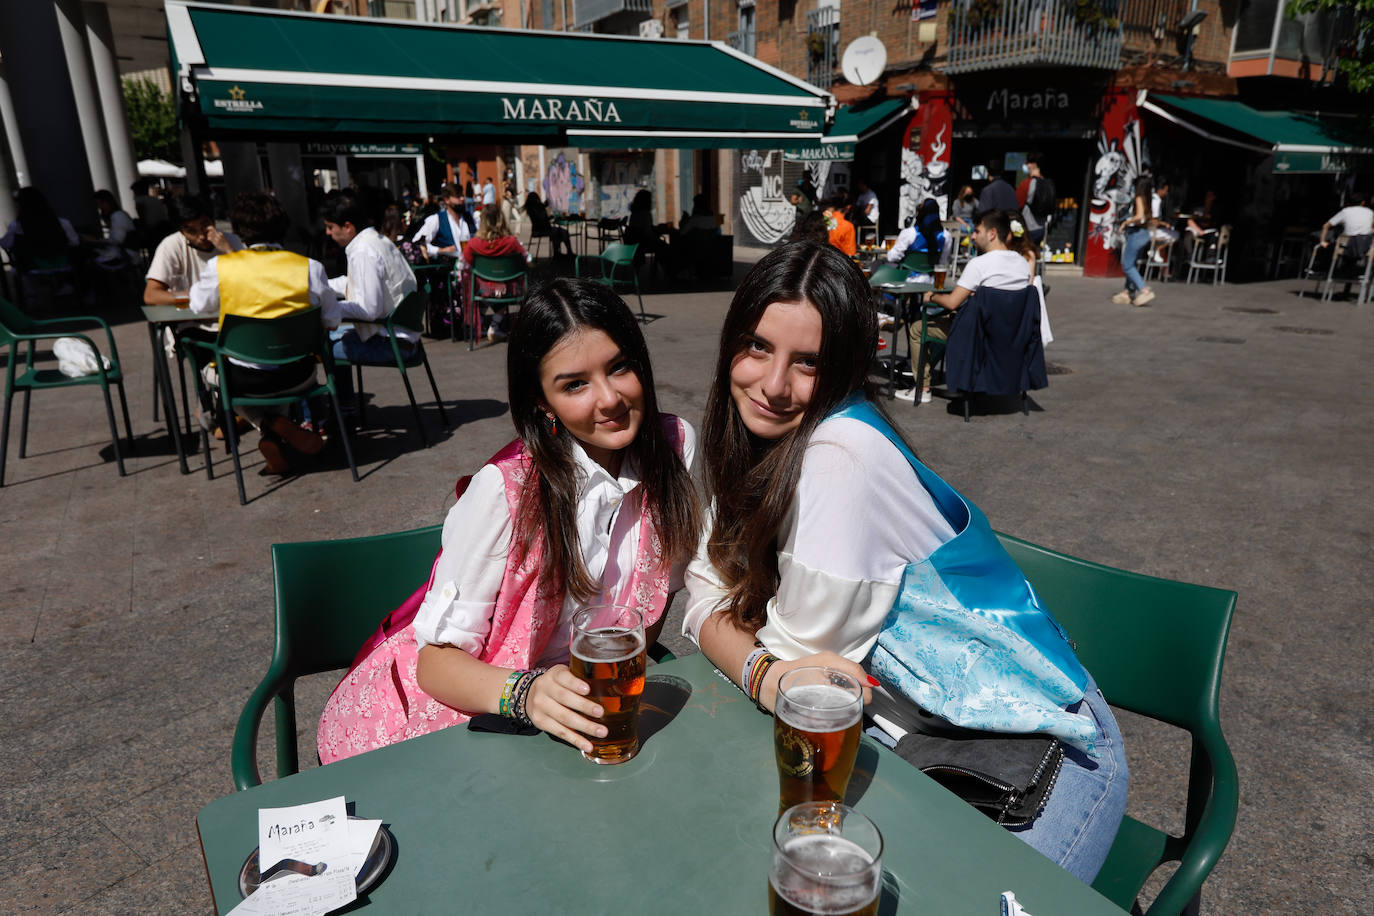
(253, 71)
(853, 124)
(1298, 142)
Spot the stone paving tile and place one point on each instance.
(165, 886)
(154, 823)
(66, 869)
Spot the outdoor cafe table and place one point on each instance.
(488, 823)
(912, 294)
(158, 317)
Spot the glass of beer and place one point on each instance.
(816, 734)
(607, 651)
(827, 861)
(940, 274)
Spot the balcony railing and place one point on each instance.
(988, 35)
(822, 43)
(742, 41)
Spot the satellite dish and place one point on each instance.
(864, 60)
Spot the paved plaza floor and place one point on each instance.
(1221, 436)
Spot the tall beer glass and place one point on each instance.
(816, 734)
(827, 861)
(607, 651)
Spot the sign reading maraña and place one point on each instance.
(554, 109)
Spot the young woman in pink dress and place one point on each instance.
(591, 503)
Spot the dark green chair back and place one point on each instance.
(619, 253)
(274, 341)
(410, 314)
(330, 596)
(1155, 647)
(887, 273)
(13, 322)
(918, 262)
(501, 269)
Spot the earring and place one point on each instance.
(553, 424)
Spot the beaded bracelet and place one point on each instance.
(507, 690)
(522, 694)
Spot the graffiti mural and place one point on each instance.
(925, 157)
(616, 181)
(1120, 161)
(563, 184)
(763, 206)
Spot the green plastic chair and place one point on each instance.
(918, 262)
(330, 596)
(16, 328)
(410, 315)
(270, 342)
(508, 269)
(614, 267)
(1155, 647)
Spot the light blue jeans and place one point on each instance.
(1079, 822)
(1136, 239)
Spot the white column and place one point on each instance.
(7, 189)
(420, 177)
(72, 27)
(100, 40)
(9, 126)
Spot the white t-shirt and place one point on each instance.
(1354, 220)
(996, 269)
(178, 266)
(457, 611)
(839, 570)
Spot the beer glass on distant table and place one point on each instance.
(607, 651)
(940, 274)
(816, 723)
(827, 861)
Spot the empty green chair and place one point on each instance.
(917, 262)
(17, 330)
(271, 342)
(410, 315)
(1155, 647)
(330, 597)
(510, 269)
(615, 268)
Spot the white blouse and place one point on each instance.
(457, 610)
(840, 556)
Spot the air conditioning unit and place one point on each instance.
(651, 28)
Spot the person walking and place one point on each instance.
(1136, 230)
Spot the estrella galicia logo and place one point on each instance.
(238, 101)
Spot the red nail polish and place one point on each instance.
(873, 681)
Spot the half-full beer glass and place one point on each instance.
(816, 734)
(607, 651)
(827, 861)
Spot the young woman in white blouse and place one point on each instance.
(591, 504)
(814, 517)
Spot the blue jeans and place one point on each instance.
(375, 351)
(1080, 820)
(1136, 240)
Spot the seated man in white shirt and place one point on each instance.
(378, 279)
(179, 258)
(997, 267)
(1356, 221)
(444, 233)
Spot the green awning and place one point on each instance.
(853, 124)
(259, 72)
(1299, 143)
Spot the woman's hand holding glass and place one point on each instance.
(558, 705)
(768, 693)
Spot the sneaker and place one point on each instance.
(1144, 297)
(1156, 257)
(885, 321)
(906, 394)
(925, 396)
(1122, 298)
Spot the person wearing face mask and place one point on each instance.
(181, 257)
(444, 233)
(962, 208)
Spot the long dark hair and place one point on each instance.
(43, 233)
(751, 481)
(548, 501)
(929, 225)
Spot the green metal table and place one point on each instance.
(488, 823)
(913, 296)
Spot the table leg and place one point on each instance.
(169, 400)
(153, 342)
